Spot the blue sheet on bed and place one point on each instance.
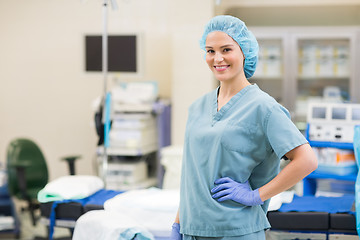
(100, 197)
(97, 198)
(341, 204)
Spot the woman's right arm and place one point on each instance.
(177, 220)
(175, 232)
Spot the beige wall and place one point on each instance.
(191, 77)
(46, 95)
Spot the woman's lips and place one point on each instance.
(221, 68)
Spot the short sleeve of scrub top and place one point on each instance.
(244, 140)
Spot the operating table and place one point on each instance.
(307, 214)
(328, 216)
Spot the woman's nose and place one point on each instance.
(219, 57)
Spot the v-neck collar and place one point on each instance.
(216, 115)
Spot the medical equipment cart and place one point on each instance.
(135, 131)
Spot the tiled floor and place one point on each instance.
(30, 232)
(38, 232)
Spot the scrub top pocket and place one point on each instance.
(239, 137)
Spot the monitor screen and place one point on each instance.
(339, 113)
(319, 112)
(122, 53)
(356, 114)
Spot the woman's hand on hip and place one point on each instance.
(228, 189)
(175, 232)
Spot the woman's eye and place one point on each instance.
(227, 49)
(210, 51)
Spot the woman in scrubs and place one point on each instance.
(235, 137)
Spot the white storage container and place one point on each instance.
(171, 158)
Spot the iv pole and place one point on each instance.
(107, 96)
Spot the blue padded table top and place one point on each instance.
(341, 204)
(310, 213)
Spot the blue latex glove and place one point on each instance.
(175, 232)
(228, 189)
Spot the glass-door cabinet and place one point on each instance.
(325, 68)
(270, 71)
(305, 64)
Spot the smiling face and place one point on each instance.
(224, 57)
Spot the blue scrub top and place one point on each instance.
(245, 140)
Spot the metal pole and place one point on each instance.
(105, 71)
(105, 46)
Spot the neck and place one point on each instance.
(230, 89)
(227, 91)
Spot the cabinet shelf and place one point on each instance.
(340, 145)
(316, 175)
(309, 181)
(323, 78)
(266, 78)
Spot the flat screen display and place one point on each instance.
(356, 114)
(319, 112)
(122, 53)
(339, 113)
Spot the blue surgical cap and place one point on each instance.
(238, 31)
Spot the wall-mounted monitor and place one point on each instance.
(319, 112)
(338, 113)
(332, 122)
(124, 53)
(355, 114)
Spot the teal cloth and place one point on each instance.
(136, 233)
(43, 196)
(245, 140)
